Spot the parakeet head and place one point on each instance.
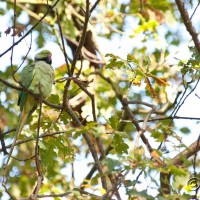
(44, 55)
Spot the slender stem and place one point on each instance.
(37, 161)
(81, 43)
(63, 45)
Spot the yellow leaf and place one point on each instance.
(137, 80)
(159, 81)
(103, 191)
(87, 186)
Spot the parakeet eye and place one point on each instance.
(49, 59)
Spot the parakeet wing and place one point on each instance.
(43, 78)
(26, 78)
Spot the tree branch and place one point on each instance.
(187, 153)
(178, 160)
(89, 142)
(188, 24)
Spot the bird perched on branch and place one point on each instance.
(38, 78)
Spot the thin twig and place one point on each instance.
(82, 40)
(70, 192)
(99, 143)
(63, 45)
(94, 6)
(113, 181)
(13, 37)
(80, 84)
(33, 139)
(136, 123)
(194, 11)
(3, 142)
(144, 126)
(181, 102)
(80, 69)
(78, 50)
(25, 55)
(37, 188)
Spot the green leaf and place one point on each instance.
(119, 145)
(177, 171)
(62, 148)
(136, 80)
(147, 62)
(65, 118)
(42, 145)
(132, 192)
(2, 11)
(128, 183)
(111, 164)
(94, 180)
(180, 181)
(112, 56)
(185, 130)
(98, 130)
(54, 98)
(131, 58)
(116, 62)
(195, 53)
(158, 135)
(47, 154)
(114, 122)
(122, 134)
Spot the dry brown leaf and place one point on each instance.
(149, 87)
(156, 156)
(159, 81)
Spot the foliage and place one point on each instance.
(110, 122)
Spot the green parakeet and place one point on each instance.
(37, 77)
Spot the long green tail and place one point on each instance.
(20, 126)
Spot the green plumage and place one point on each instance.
(26, 79)
(38, 78)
